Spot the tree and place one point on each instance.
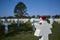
(33, 16)
(38, 16)
(56, 16)
(20, 9)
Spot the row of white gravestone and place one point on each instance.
(6, 23)
(42, 28)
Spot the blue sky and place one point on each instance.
(34, 7)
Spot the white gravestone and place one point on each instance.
(43, 28)
(18, 22)
(6, 26)
(33, 21)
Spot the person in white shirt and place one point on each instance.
(43, 28)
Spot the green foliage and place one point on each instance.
(48, 21)
(33, 16)
(56, 16)
(26, 26)
(13, 22)
(1, 21)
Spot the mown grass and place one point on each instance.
(29, 35)
(55, 32)
(22, 36)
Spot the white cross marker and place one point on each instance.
(6, 26)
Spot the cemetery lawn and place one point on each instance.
(24, 35)
(29, 35)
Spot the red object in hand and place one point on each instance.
(43, 17)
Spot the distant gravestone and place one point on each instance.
(33, 26)
(6, 23)
(43, 28)
(18, 23)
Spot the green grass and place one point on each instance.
(29, 35)
(55, 32)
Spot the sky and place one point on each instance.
(34, 7)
